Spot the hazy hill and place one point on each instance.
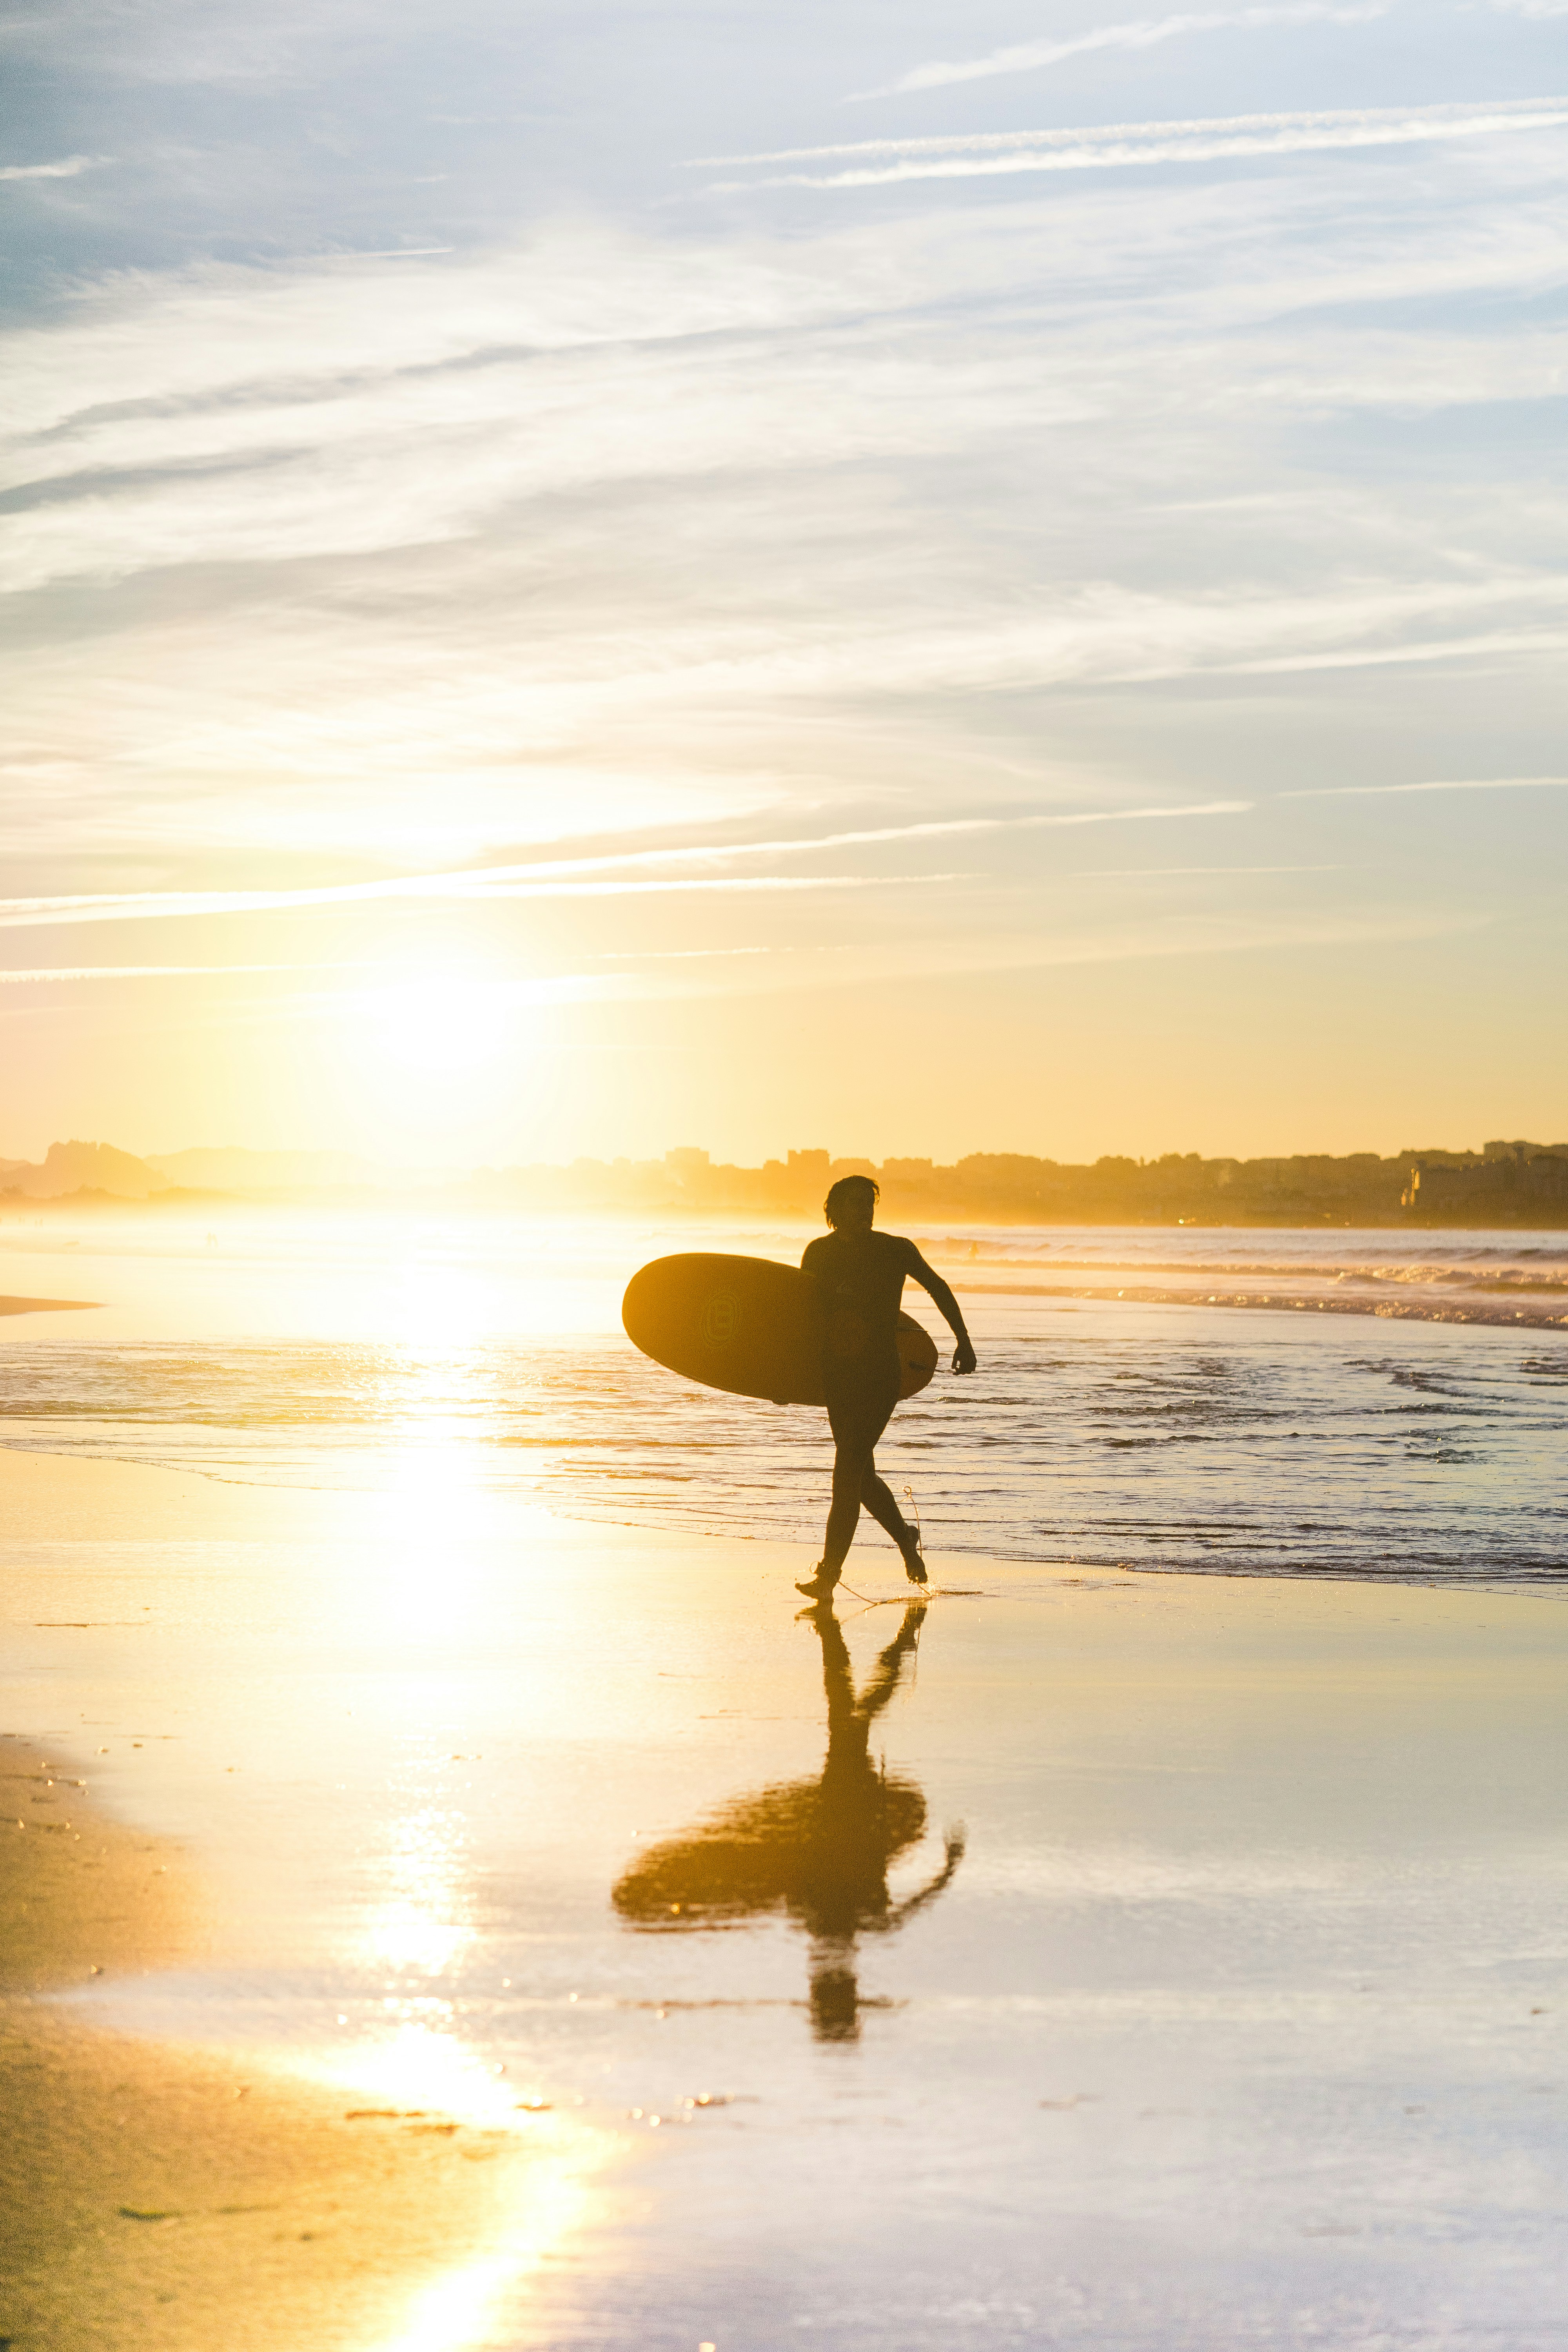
(102, 1170)
(82, 1167)
(229, 1169)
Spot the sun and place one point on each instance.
(443, 1027)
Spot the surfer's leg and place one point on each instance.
(848, 1475)
(877, 1497)
(848, 1470)
(859, 1407)
(849, 1464)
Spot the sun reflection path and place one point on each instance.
(418, 1918)
(421, 2068)
(410, 2065)
(413, 1930)
(457, 2311)
(421, 2071)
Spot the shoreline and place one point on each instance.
(84, 1497)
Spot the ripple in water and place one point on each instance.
(1190, 1438)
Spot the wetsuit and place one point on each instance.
(860, 1277)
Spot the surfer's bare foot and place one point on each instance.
(914, 1566)
(819, 1586)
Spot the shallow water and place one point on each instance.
(1107, 1962)
(1145, 1397)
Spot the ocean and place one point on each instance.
(1369, 1404)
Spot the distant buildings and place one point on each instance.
(1517, 1183)
(1509, 1184)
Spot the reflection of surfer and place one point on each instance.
(818, 1849)
(861, 1276)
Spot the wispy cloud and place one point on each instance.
(33, 978)
(795, 446)
(570, 878)
(1158, 872)
(869, 521)
(1136, 33)
(1118, 146)
(23, 913)
(676, 955)
(1446, 785)
(67, 168)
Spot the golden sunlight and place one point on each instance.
(420, 1923)
(424, 2072)
(421, 2067)
(441, 1027)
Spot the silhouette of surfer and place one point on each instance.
(861, 1275)
(818, 1850)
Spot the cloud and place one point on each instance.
(1119, 146)
(29, 978)
(1154, 873)
(596, 536)
(578, 877)
(676, 955)
(1139, 33)
(25, 913)
(65, 169)
(1456, 784)
(1071, 939)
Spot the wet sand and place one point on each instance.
(1093, 1960)
(42, 1305)
(156, 2196)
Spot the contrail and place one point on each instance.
(14, 979)
(558, 877)
(1454, 784)
(19, 913)
(1139, 33)
(1118, 146)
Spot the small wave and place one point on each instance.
(1285, 1301)
(1280, 1270)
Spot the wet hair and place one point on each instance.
(849, 1189)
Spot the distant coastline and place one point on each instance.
(1505, 1184)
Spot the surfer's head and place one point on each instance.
(851, 1201)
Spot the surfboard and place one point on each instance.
(747, 1325)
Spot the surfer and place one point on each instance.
(861, 1276)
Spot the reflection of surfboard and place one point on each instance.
(808, 1846)
(747, 1325)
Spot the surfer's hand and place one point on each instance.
(964, 1357)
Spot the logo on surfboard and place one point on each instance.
(720, 1319)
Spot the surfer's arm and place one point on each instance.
(941, 1297)
(954, 1844)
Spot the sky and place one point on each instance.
(583, 579)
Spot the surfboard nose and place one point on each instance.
(744, 1324)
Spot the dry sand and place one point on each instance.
(175, 2201)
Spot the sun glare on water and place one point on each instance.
(545, 2195)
